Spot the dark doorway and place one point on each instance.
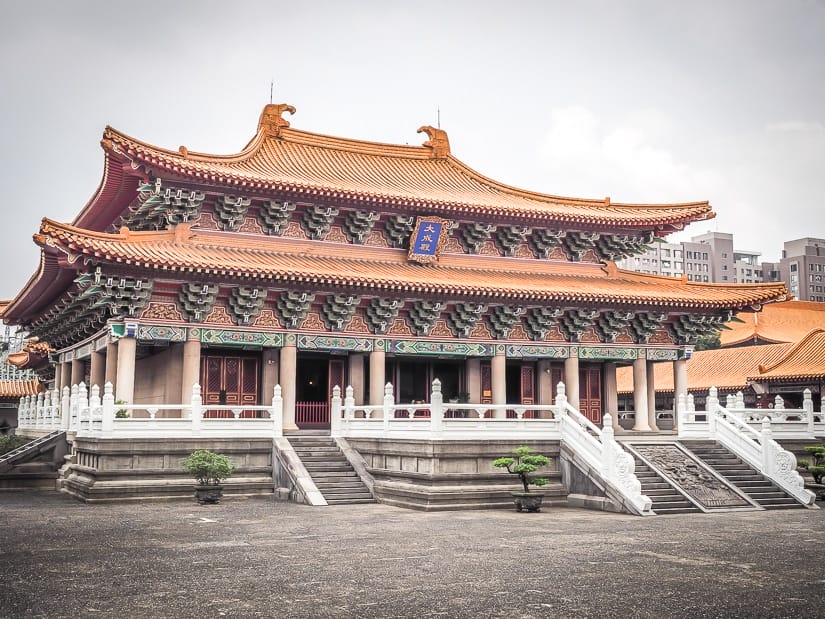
(313, 389)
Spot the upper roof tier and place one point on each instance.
(313, 167)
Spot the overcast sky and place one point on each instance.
(642, 101)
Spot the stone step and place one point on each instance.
(657, 485)
(329, 474)
(327, 465)
(793, 505)
(657, 492)
(333, 459)
(666, 511)
(349, 501)
(673, 505)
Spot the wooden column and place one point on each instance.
(356, 378)
(680, 386)
(473, 369)
(191, 370)
(65, 375)
(377, 377)
(126, 351)
(111, 363)
(498, 365)
(651, 396)
(640, 395)
(78, 372)
(571, 380)
(289, 376)
(97, 370)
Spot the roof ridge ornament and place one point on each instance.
(272, 120)
(438, 142)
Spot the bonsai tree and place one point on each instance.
(208, 468)
(817, 466)
(523, 462)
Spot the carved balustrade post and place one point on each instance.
(277, 411)
(82, 405)
(48, 411)
(66, 408)
(808, 407)
(712, 407)
(389, 400)
(349, 403)
(58, 419)
(197, 408)
(437, 408)
(40, 411)
(561, 401)
(107, 415)
(608, 440)
(335, 411)
(778, 403)
(767, 447)
(22, 413)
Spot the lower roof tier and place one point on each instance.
(188, 254)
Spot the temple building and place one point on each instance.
(312, 261)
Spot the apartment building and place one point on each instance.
(708, 257)
(802, 267)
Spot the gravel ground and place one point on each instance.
(262, 558)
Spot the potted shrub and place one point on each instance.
(523, 463)
(209, 470)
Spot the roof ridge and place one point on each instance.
(805, 341)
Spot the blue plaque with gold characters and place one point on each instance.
(428, 239)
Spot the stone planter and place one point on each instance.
(527, 501)
(209, 494)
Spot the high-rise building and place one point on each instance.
(802, 267)
(708, 257)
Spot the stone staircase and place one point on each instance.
(31, 450)
(754, 484)
(666, 499)
(331, 472)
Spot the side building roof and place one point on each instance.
(788, 321)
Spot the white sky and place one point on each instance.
(643, 100)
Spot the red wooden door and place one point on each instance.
(230, 380)
(590, 392)
(486, 383)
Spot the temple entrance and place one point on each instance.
(316, 376)
(521, 386)
(590, 392)
(229, 379)
(413, 380)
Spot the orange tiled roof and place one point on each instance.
(3, 306)
(778, 322)
(19, 388)
(316, 167)
(806, 360)
(35, 354)
(286, 261)
(727, 369)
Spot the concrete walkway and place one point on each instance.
(261, 558)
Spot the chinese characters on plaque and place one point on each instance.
(428, 239)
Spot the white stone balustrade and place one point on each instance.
(437, 420)
(92, 415)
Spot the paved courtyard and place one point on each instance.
(261, 558)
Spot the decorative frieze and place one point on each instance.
(686, 329)
(337, 310)
(508, 238)
(274, 215)
(575, 244)
(462, 317)
(196, 300)
(502, 319)
(427, 347)
(398, 229)
(473, 235)
(616, 246)
(380, 314)
(317, 219)
(230, 211)
(358, 224)
(539, 320)
(245, 304)
(325, 342)
(537, 351)
(292, 308)
(156, 207)
(644, 324)
(573, 323)
(422, 315)
(610, 323)
(231, 337)
(543, 240)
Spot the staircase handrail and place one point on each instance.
(758, 449)
(598, 447)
